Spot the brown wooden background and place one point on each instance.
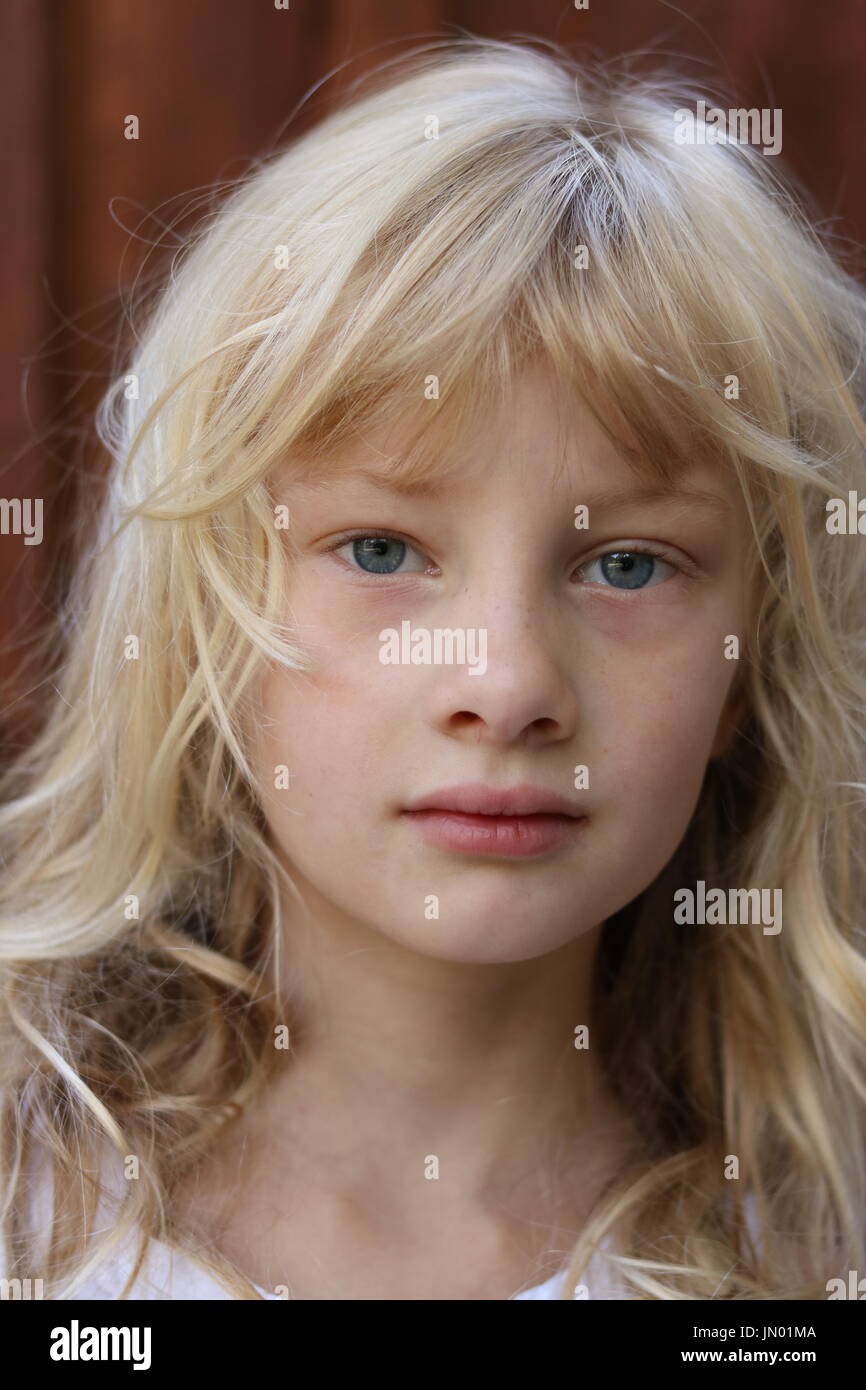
(215, 82)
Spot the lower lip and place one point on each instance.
(505, 837)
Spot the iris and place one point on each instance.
(374, 549)
(632, 568)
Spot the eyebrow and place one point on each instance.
(647, 496)
(375, 477)
(611, 500)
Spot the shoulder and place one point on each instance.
(164, 1274)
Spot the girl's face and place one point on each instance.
(599, 647)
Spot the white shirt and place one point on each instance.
(169, 1274)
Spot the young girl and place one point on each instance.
(440, 875)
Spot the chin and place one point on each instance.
(472, 942)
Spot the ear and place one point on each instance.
(732, 716)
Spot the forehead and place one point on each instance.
(544, 430)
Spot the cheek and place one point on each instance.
(662, 674)
(658, 733)
(333, 728)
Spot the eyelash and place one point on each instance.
(626, 547)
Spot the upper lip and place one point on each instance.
(477, 799)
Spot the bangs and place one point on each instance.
(433, 417)
(432, 354)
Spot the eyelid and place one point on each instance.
(360, 531)
(656, 547)
(681, 562)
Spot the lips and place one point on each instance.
(477, 799)
(500, 822)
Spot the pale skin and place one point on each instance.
(454, 1036)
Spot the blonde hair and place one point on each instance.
(141, 932)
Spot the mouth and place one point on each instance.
(517, 822)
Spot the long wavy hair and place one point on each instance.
(471, 207)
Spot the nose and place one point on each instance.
(526, 694)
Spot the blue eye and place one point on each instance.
(630, 569)
(379, 554)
